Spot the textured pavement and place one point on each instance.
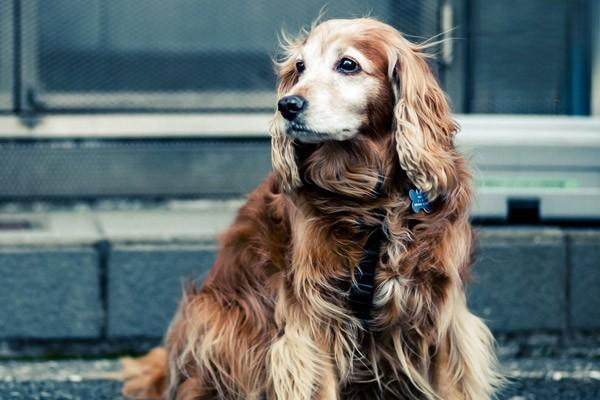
(522, 389)
(530, 379)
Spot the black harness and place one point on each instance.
(362, 289)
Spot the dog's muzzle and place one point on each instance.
(291, 106)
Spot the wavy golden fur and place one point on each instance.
(272, 318)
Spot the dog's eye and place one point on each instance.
(348, 66)
(300, 66)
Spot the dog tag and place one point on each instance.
(419, 201)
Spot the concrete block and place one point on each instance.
(48, 229)
(584, 260)
(145, 285)
(50, 293)
(519, 279)
(167, 226)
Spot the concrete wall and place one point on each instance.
(118, 275)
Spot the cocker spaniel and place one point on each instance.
(343, 276)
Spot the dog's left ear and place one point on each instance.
(283, 154)
(423, 126)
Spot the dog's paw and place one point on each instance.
(145, 377)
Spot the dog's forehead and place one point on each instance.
(337, 38)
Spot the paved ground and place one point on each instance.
(526, 389)
(531, 379)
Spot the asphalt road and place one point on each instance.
(543, 379)
(524, 389)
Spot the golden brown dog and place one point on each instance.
(361, 123)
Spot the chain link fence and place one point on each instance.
(197, 55)
(125, 56)
(179, 54)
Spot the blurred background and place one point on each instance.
(131, 131)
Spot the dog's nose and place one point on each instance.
(291, 106)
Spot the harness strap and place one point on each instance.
(362, 289)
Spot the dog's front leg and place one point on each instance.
(328, 386)
(301, 367)
(465, 367)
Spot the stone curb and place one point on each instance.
(75, 379)
(118, 274)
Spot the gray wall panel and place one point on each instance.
(519, 51)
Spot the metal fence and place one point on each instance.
(510, 56)
(175, 55)
(154, 57)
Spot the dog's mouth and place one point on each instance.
(300, 131)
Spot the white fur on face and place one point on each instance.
(336, 102)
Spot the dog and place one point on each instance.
(343, 276)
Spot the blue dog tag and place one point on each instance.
(419, 201)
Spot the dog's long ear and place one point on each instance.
(423, 126)
(283, 155)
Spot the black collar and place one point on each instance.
(362, 288)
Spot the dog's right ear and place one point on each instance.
(283, 154)
(424, 127)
